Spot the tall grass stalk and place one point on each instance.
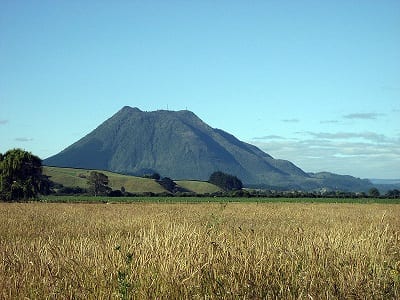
(199, 251)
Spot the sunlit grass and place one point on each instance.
(204, 250)
(199, 187)
(78, 177)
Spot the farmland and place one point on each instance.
(133, 184)
(200, 250)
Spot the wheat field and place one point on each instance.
(199, 251)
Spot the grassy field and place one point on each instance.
(78, 178)
(199, 251)
(165, 199)
(199, 187)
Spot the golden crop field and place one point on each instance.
(199, 251)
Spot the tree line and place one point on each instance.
(21, 178)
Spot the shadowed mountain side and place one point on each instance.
(179, 145)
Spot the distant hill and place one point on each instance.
(341, 182)
(70, 177)
(179, 145)
(385, 185)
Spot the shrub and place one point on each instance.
(225, 181)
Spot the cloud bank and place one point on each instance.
(361, 154)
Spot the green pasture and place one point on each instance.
(158, 199)
(70, 177)
(199, 187)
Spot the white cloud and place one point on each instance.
(367, 135)
(363, 116)
(23, 139)
(329, 121)
(291, 120)
(270, 137)
(365, 155)
(3, 122)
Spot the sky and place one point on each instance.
(313, 82)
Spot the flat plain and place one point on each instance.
(199, 251)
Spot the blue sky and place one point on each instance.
(313, 82)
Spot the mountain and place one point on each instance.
(385, 185)
(180, 145)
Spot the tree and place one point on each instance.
(225, 181)
(168, 184)
(67, 190)
(21, 176)
(115, 193)
(393, 194)
(154, 176)
(98, 183)
(374, 192)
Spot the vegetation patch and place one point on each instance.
(79, 178)
(199, 251)
(205, 199)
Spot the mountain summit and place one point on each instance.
(179, 145)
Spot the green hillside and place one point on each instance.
(78, 177)
(199, 187)
(71, 177)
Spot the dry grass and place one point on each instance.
(199, 251)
